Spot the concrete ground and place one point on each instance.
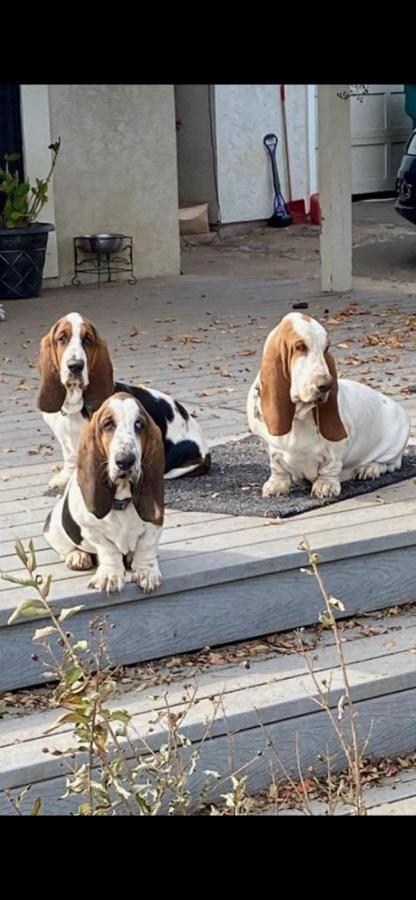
(384, 248)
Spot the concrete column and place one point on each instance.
(335, 187)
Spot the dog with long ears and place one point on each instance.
(77, 376)
(315, 426)
(113, 506)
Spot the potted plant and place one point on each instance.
(23, 240)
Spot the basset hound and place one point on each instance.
(113, 505)
(77, 376)
(316, 427)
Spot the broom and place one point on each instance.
(295, 207)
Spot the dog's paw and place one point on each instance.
(78, 561)
(108, 578)
(149, 579)
(276, 487)
(323, 488)
(370, 470)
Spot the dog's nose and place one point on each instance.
(76, 367)
(324, 388)
(125, 461)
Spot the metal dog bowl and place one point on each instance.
(101, 243)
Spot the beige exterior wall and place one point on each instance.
(117, 170)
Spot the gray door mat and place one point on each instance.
(239, 469)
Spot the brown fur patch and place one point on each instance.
(149, 496)
(327, 414)
(279, 354)
(51, 394)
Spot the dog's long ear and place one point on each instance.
(148, 497)
(51, 393)
(331, 425)
(100, 376)
(276, 405)
(92, 472)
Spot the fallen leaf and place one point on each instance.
(190, 339)
(223, 372)
(175, 662)
(215, 658)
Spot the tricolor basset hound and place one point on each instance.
(113, 505)
(77, 376)
(316, 427)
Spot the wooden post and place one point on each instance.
(335, 186)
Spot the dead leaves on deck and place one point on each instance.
(340, 317)
(394, 332)
(42, 449)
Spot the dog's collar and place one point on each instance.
(121, 504)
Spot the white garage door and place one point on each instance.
(379, 131)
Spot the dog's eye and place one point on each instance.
(87, 339)
(62, 338)
(108, 425)
(301, 347)
(138, 425)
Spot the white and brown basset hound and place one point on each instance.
(113, 506)
(316, 427)
(77, 376)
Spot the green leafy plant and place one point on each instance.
(23, 203)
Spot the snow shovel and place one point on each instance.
(281, 218)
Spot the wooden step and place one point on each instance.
(265, 719)
(226, 578)
(395, 796)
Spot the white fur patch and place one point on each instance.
(74, 351)
(125, 436)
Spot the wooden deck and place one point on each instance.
(225, 578)
(263, 718)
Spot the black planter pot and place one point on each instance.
(22, 258)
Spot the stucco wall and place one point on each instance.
(244, 114)
(195, 109)
(117, 170)
(297, 133)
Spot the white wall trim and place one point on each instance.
(36, 127)
(311, 114)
